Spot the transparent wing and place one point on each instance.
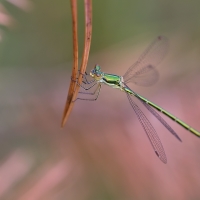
(161, 120)
(145, 65)
(150, 131)
(145, 76)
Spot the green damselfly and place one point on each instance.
(143, 73)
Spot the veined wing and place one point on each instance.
(145, 66)
(145, 76)
(167, 126)
(149, 130)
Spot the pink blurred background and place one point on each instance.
(102, 153)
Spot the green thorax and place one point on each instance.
(112, 80)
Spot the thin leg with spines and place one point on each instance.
(98, 89)
(85, 88)
(86, 81)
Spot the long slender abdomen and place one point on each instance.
(183, 124)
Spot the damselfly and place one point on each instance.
(144, 73)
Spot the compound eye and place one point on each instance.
(92, 72)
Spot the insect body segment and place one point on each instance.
(143, 73)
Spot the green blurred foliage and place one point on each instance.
(43, 36)
(107, 155)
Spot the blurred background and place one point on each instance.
(102, 153)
